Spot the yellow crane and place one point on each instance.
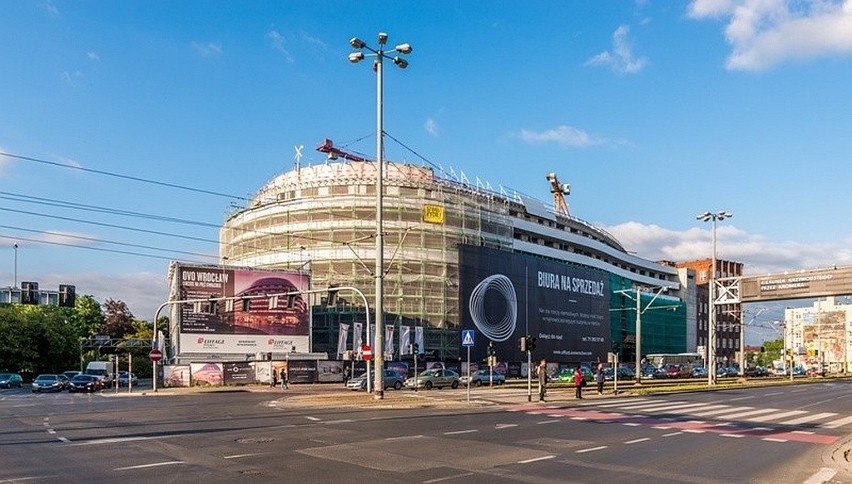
(559, 191)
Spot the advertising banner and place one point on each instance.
(206, 374)
(505, 296)
(303, 371)
(176, 375)
(249, 323)
(239, 373)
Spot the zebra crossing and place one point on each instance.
(721, 412)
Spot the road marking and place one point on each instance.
(650, 406)
(694, 431)
(313, 419)
(804, 432)
(579, 418)
(63, 439)
(775, 416)
(505, 426)
(741, 398)
(116, 440)
(770, 439)
(456, 432)
(621, 402)
(823, 475)
(548, 421)
(837, 423)
(717, 411)
(643, 439)
(145, 466)
(737, 416)
(733, 436)
(809, 418)
(631, 424)
(536, 459)
(706, 407)
(661, 427)
(406, 437)
(430, 481)
(672, 434)
(772, 394)
(345, 420)
(240, 456)
(583, 451)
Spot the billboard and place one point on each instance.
(836, 281)
(505, 296)
(235, 328)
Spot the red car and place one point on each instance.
(674, 371)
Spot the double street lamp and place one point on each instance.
(639, 311)
(355, 57)
(711, 326)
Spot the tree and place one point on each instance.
(118, 320)
(86, 318)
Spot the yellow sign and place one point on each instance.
(433, 214)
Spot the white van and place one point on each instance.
(102, 369)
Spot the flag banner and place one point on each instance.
(342, 338)
(418, 339)
(404, 340)
(371, 336)
(357, 340)
(389, 342)
(161, 342)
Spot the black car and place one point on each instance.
(85, 383)
(49, 383)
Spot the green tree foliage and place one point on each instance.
(37, 339)
(118, 320)
(87, 317)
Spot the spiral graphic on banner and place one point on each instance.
(496, 330)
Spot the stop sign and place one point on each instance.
(155, 355)
(367, 352)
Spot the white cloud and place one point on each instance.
(758, 255)
(765, 33)
(278, 43)
(562, 135)
(69, 77)
(51, 9)
(93, 56)
(210, 49)
(431, 126)
(621, 58)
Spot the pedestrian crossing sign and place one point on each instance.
(467, 337)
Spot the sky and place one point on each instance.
(130, 130)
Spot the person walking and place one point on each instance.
(285, 380)
(578, 382)
(541, 373)
(599, 378)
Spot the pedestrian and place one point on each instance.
(599, 378)
(541, 373)
(345, 375)
(285, 380)
(273, 380)
(579, 381)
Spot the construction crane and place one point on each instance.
(333, 152)
(559, 191)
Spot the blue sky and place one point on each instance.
(653, 111)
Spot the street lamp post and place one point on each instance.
(639, 310)
(15, 280)
(711, 326)
(380, 54)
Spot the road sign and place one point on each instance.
(467, 337)
(367, 352)
(155, 355)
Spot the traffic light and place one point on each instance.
(491, 350)
(269, 356)
(530, 343)
(523, 344)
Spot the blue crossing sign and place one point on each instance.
(467, 337)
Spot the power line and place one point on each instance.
(100, 249)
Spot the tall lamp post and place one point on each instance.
(355, 57)
(639, 310)
(15, 280)
(711, 327)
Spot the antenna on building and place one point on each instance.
(298, 156)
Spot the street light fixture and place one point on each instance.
(711, 326)
(639, 311)
(380, 54)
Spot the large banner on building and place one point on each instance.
(249, 323)
(505, 296)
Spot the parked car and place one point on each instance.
(698, 372)
(676, 371)
(390, 379)
(123, 379)
(49, 383)
(651, 371)
(484, 377)
(434, 378)
(85, 383)
(10, 380)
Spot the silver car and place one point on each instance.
(434, 378)
(391, 378)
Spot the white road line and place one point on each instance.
(63, 439)
(733, 436)
(631, 424)
(672, 434)
(145, 466)
(620, 402)
(240, 456)
(776, 416)
(803, 432)
(536, 459)
(770, 439)
(706, 407)
(345, 420)
(636, 441)
(809, 418)
(823, 475)
(505, 426)
(579, 418)
(650, 405)
(661, 427)
(314, 419)
(457, 432)
(837, 423)
(548, 421)
(737, 416)
(721, 411)
(51, 431)
(116, 440)
(741, 398)
(440, 479)
(583, 451)
(772, 394)
(694, 431)
(406, 437)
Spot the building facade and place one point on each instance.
(819, 338)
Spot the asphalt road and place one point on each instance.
(323, 434)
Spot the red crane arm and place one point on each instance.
(334, 152)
